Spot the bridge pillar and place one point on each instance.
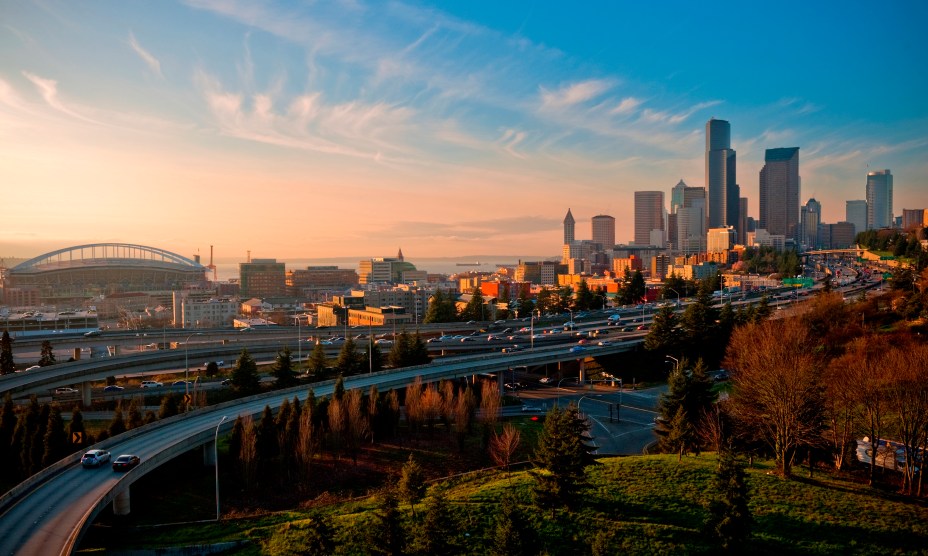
(77, 354)
(209, 454)
(85, 394)
(121, 503)
(499, 383)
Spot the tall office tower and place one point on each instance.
(604, 231)
(856, 213)
(568, 227)
(649, 215)
(879, 199)
(742, 227)
(676, 196)
(691, 225)
(810, 216)
(724, 193)
(779, 192)
(914, 218)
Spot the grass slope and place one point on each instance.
(636, 505)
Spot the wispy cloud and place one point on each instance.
(627, 106)
(574, 93)
(153, 64)
(509, 140)
(48, 89)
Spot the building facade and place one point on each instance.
(649, 215)
(263, 278)
(879, 199)
(569, 222)
(724, 193)
(855, 212)
(603, 231)
(720, 240)
(810, 217)
(779, 192)
(913, 218)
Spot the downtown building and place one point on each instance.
(649, 218)
(263, 278)
(855, 212)
(879, 200)
(810, 218)
(779, 193)
(723, 202)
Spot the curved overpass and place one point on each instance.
(49, 512)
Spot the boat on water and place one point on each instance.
(478, 263)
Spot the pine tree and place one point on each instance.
(47, 356)
(474, 309)
(434, 533)
(118, 424)
(348, 362)
(168, 407)
(37, 439)
(374, 357)
(562, 456)
(317, 362)
(267, 445)
(283, 369)
(56, 439)
(411, 486)
(688, 397)
(419, 352)
(245, 378)
(730, 520)
(583, 299)
(441, 309)
(512, 534)
(7, 366)
(7, 427)
(385, 535)
(664, 335)
(76, 427)
(134, 415)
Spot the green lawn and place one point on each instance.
(643, 504)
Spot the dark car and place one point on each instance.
(125, 462)
(112, 388)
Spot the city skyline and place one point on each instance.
(300, 130)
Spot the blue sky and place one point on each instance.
(319, 129)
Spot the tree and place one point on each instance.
(267, 445)
(56, 439)
(441, 309)
(349, 361)
(385, 535)
(245, 378)
(7, 366)
(401, 352)
(7, 427)
(562, 456)
(117, 424)
(729, 521)
(314, 536)
(374, 357)
(512, 533)
(504, 445)
(664, 335)
(474, 310)
(282, 371)
(317, 362)
(212, 368)
(777, 393)
(168, 407)
(47, 356)
(490, 403)
(689, 396)
(433, 535)
(583, 298)
(411, 486)
(133, 415)
(544, 300)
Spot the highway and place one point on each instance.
(48, 513)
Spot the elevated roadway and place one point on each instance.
(48, 513)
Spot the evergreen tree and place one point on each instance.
(385, 535)
(245, 378)
(7, 366)
(411, 486)
(168, 407)
(763, 309)
(419, 352)
(664, 335)
(134, 415)
(474, 310)
(374, 357)
(56, 439)
(349, 361)
(47, 356)
(512, 534)
(283, 373)
(441, 309)
(118, 424)
(37, 440)
(730, 520)
(267, 446)
(544, 300)
(525, 304)
(434, 533)
(688, 397)
(235, 438)
(562, 456)
(338, 390)
(76, 426)
(583, 299)
(400, 353)
(637, 288)
(7, 427)
(318, 537)
(317, 362)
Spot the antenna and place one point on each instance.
(211, 266)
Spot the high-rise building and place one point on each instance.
(568, 227)
(691, 225)
(604, 231)
(742, 227)
(649, 215)
(779, 192)
(719, 240)
(914, 218)
(724, 193)
(676, 196)
(810, 216)
(879, 199)
(856, 213)
(262, 278)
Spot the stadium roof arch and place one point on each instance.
(113, 255)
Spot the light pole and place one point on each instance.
(299, 341)
(678, 296)
(216, 458)
(675, 360)
(187, 366)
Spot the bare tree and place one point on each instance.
(248, 453)
(338, 424)
(464, 406)
(307, 443)
(908, 398)
(373, 409)
(841, 407)
(448, 401)
(503, 446)
(866, 370)
(490, 402)
(777, 392)
(431, 405)
(414, 404)
(357, 425)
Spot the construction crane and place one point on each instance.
(211, 266)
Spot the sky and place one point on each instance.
(334, 128)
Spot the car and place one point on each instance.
(471, 322)
(65, 390)
(546, 380)
(225, 382)
(93, 333)
(32, 368)
(506, 331)
(95, 458)
(151, 384)
(628, 329)
(642, 327)
(125, 462)
(385, 342)
(468, 339)
(327, 343)
(112, 388)
(577, 349)
(246, 329)
(180, 383)
(582, 341)
(499, 322)
(530, 408)
(605, 343)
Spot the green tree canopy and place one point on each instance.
(562, 456)
(441, 309)
(7, 366)
(245, 376)
(283, 373)
(47, 356)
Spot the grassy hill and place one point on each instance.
(635, 505)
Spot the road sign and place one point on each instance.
(77, 437)
(887, 275)
(187, 398)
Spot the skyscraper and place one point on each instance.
(649, 215)
(676, 196)
(879, 199)
(810, 216)
(568, 227)
(779, 192)
(856, 213)
(724, 192)
(742, 227)
(604, 231)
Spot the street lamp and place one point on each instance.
(299, 341)
(675, 360)
(187, 366)
(216, 462)
(678, 296)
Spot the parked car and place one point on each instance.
(125, 462)
(151, 384)
(65, 390)
(112, 388)
(95, 458)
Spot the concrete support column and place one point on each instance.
(85, 394)
(582, 370)
(499, 383)
(77, 354)
(121, 503)
(209, 459)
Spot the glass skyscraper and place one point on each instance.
(879, 199)
(779, 192)
(724, 193)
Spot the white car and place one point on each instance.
(95, 458)
(151, 384)
(545, 380)
(65, 390)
